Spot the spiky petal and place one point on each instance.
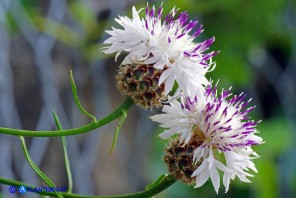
(164, 44)
(227, 131)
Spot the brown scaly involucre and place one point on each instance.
(179, 157)
(140, 82)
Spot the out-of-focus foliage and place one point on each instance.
(267, 179)
(87, 41)
(237, 27)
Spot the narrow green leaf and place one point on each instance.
(75, 95)
(156, 182)
(36, 169)
(121, 121)
(57, 121)
(64, 144)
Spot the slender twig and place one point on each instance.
(86, 128)
(166, 182)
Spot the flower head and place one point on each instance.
(223, 127)
(167, 45)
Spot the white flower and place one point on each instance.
(208, 169)
(226, 130)
(167, 45)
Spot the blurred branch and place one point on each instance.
(65, 34)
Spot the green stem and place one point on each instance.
(164, 184)
(86, 128)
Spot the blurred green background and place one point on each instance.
(257, 45)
